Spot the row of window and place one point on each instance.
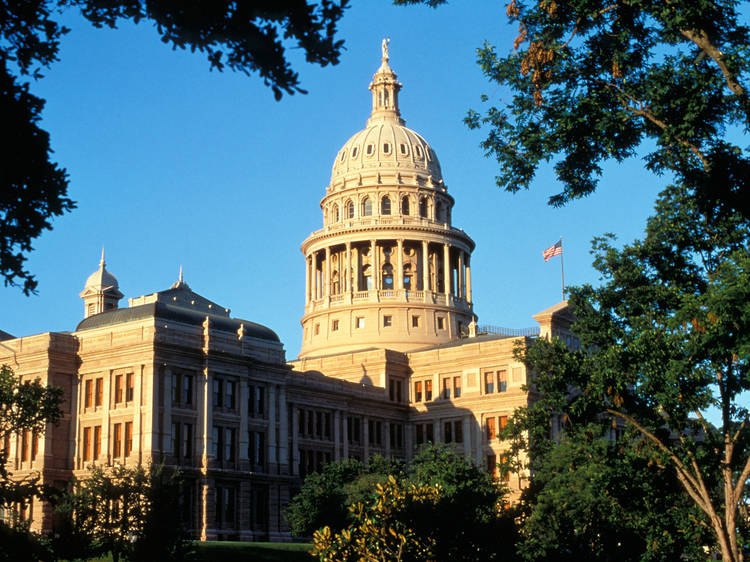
(93, 394)
(225, 397)
(121, 445)
(494, 425)
(442, 211)
(224, 445)
(494, 381)
(312, 461)
(29, 441)
(359, 322)
(498, 469)
(227, 503)
(312, 424)
(403, 149)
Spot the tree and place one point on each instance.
(25, 406)
(325, 496)
(443, 508)
(248, 37)
(665, 338)
(593, 80)
(128, 512)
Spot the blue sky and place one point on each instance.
(172, 164)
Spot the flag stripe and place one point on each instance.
(552, 251)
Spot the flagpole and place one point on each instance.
(562, 271)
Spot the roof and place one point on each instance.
(175, 304)
(6, 336)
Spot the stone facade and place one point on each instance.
(390, 356)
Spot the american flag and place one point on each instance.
(552, 251)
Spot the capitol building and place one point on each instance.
(391, 355)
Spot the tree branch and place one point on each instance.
(700, 38)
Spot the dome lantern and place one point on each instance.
(101, 292)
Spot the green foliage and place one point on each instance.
(24, 406)
(442, 508)
(592, 80)
(664, 338)
(129, 512)
(248, 37)
(326, 495)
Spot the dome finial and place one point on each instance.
(384, 88)
(102, 263)
(384, 47)
(180, 278)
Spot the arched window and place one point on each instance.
(385, 205)
(439, 212)
(407, 276)
(350, 209)
(366, 207)
(388, 277)
(405, 205)
(335, 213)
(423, 207)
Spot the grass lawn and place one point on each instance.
(226, 551)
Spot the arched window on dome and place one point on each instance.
(335, 213)
(403, 149)
(385, 205)
(439, 212)
(349, 209)
(418, 150)
(405, 205)
(423, 207)
(388, 277)
(366, 207)
(355, 150)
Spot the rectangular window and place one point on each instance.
(260, 400)
(187, 440)
(359, 322)
(420, 434)
(458, 431)
(229, 396)
(118, 389)
(492, 465)
(379, 433)
(448, 432)
(415, 321)
(318, 424)
(217, 442)
(489, 382)
(427, 390)
(317, 328)
(503, 421)
(86, 444)
(502, 380)
(447, 388)
(89, 394)
(505, 472)
(129, 387)
(457, 387)
(387, 321)
(128, 438)
(229, 434)
(176, 439)
(116, 440)
(175, 388)
(399, 391)
(429, 433)
(491, 429)
(370, 431)
(441, 323)
(335, 326)
(97, 441)
(327, 421)
(99, 391)
(301, 421)
(256, 447)
(187, 389)
(218, 385)
(34, 445)
(310, 423)
(418, 391)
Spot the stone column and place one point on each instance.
(447, 271)
(425, 266)
(314, 257)
(400, 264)
(345, 433)
(272, 457)
(468, 277)
(137, 429)
(387, 438)
(467, 436)
(337, 435)
(328, 271)
(243, 439)
(295, 440)
(436, 431)
(283, 430)
(349, 276)
(460, 275)
(307, 279)
(374, 264)
(366, 438)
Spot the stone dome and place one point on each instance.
(101, 279)
(385, 144)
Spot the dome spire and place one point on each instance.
(102, 263)
(385, 88)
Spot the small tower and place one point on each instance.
(101, 292)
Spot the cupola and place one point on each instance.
(101, 292)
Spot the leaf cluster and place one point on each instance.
(593, 80)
